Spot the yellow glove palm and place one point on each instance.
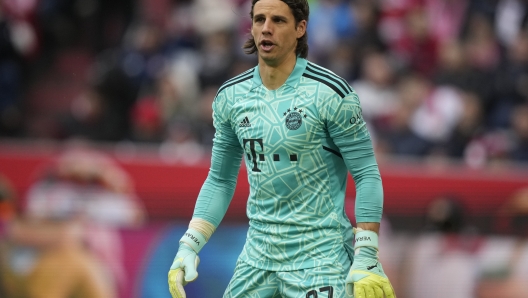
(367, 284)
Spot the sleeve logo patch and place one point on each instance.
(357, 118)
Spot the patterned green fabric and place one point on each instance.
(298, 144)
(320, 282)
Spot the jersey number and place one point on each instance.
(313, 293)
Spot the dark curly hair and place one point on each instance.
(300, 11)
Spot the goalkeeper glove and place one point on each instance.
(183, 269)
(366, 277)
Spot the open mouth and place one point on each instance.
(266, 45)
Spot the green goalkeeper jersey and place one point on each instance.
(298, 143)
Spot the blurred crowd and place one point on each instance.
(436, 78)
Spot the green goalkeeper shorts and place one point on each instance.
(317, 282)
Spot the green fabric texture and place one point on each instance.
(299, 143)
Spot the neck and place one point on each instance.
(274, 76)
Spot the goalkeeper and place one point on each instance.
(300, 130)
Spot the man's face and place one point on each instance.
(274, 31)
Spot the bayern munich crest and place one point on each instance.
(294, 118)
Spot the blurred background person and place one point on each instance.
(519, 150)
(442, 260)
(40, 258)
(330, 22)
(396, 135)
(377, 86)
(503, 262)
(85, 188)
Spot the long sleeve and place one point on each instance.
(217, 191)
(349, 133)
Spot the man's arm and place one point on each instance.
(213, 200)
(349, 133)
(219, 186)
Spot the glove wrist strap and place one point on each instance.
(365, 238)
(194, 239)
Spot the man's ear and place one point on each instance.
(301, 29)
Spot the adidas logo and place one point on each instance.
(245, 123)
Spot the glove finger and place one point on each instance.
(378, 292)
(189, 266)
(389, 291)
(176, 283)
(359, 291)
(369, 291)
(176, 263)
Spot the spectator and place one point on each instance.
(504, 259)
(446, 18)
(454, 70)
(330, 21)
(147, 124)
(519, 150)
(221, 11)
(7, 204)
(217, 57)
(101, 111)
(203, 122)
(376, 88)
(510, 18)
(469, 127)
(45, 258)
(182, 144)
(446, 246)
(367, 39)
(482, 46)
(511, 87)
(396, 136)
(18, 45)
(90, 118)
(87, 187)
(438, 114)
(343, 60)
(417, 48)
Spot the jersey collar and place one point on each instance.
(293, 79)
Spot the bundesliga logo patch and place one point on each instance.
(294, 118)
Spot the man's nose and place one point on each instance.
(267, 27)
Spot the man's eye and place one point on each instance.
(258, 20)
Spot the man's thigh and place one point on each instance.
(318, 282)
(248, 281)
